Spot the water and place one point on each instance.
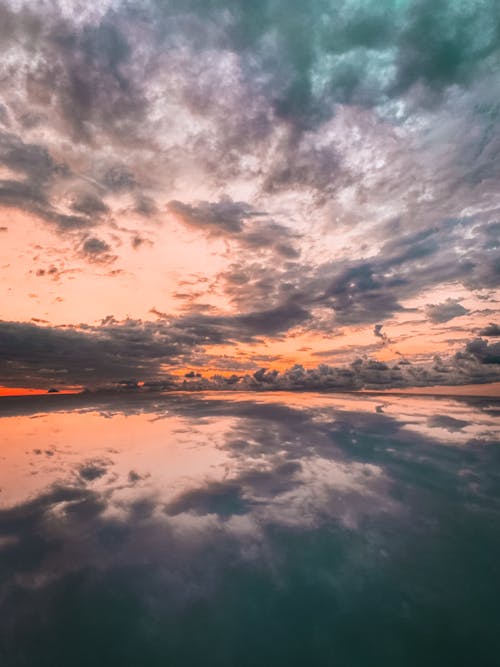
(249, 529)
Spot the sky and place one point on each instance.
(266, 194)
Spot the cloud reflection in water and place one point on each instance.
(244, 530)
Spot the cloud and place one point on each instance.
(94, 249)
(114, 350)
(239, 221)
(88, 356)
(221, 217)
(89, 204)
(90, 86)
(132, 350)
(95, 246)
(347, 159)
(31, 161)
(92, 470)
(138, 241)
(449, 423)
(486, 353)
(33, 172)
(236, 497)
(361, 294)
(378, 333)
(356, 53)
(446, 311)
(491, 330)
(119, 178)
(33, 183)
(223, 499)
(448, 46)
(473, 366)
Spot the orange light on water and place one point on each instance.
(29, 391)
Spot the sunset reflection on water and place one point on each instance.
(308, 516)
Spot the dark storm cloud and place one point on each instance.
(378, 333)
(300, 163)
(361, 294)
(354, 292)
(367, 290)
(138, 241)
(239, 221)
(92, 470)
(476, 365)
(30, 161)
(119, 178)
(145, 206)
(223, 217)
(36, 356)
(36, 172)
(90, 84)
(33, 173)
(250, 283)
(321, 54)
(486, 353)
(439, 313)
(300, 60)
(75, 79)
(246, 326)
(115, 350)
(272, 321)
(349, 52)
(82, 75)
(100, 75)
(95, 246)
(95, 250)
(491, 330)
(31, 198)
(89, 204)
(47, 355)
(447, 45)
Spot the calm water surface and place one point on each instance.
(249, 529)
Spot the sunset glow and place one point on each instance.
(249, 333)
(199, 191)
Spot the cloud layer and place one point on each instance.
(132, 351)
(257, 173)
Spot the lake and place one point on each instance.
(242, 529)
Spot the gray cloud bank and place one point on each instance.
(131, 351)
